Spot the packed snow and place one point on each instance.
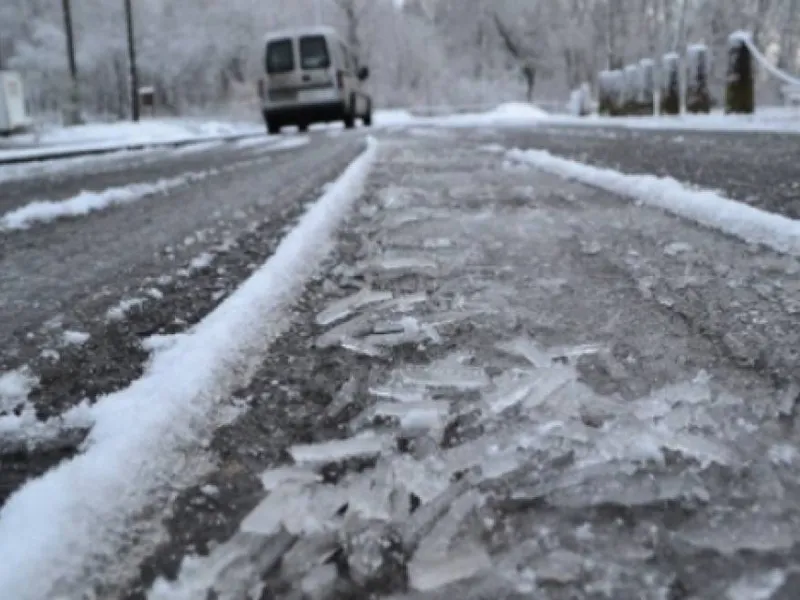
(705, 207)
(55, 528)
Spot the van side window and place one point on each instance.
(314, 52)
(280, 56)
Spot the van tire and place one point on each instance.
(273, 128)
(349, 121)
(302, 127)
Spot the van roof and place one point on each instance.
(326, 30)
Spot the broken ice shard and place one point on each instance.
(428, 574)
(343, 308)
(447, 373)
(360, 446)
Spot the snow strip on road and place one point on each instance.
(705, 207)
(57, 530)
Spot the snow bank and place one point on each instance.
(57, 531)
(101, 136)
(512, 113)
(704, 207)
(388, 118)
(765, 120)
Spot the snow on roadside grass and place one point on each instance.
(15, 387)
(44, 211)
(57, 531)
(26, 433)
(705, 207)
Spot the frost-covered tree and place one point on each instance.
(207, 54)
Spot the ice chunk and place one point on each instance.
(403, 304)
(529, 350)
(511, 388)
(400, 392)
(406, 331)
(548, 382)
(300, 509)
(642, 489)
(575, 351)
(345, 307)
(702, 448)
(363, 347)
(343, 398)
(560, 567)
(748, 532)
(449, 372)
(230, 570)
(398, 266)
(318, 584)
(360, 446)
(413, 416)
(272, 479)
(428, 574)
(437, 543)
(354, 328)
(759, 586)
(308, 552)
(427, 479)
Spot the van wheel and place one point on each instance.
(273, 128)
(302, 127)
(349, 121)
(367, 119)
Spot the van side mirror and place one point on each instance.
(363, 73)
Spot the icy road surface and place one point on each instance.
(501, 384)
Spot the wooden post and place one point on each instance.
(604, 93)
(671, 84)
(740, 88)
(698, 66)
(648, 86)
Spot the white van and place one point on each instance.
(312, 76)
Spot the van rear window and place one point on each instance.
(314, 52)
(280, 56)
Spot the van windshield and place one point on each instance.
(280, 56)
(314, 52)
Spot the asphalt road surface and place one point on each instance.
(501, 384)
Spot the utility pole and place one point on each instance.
(134, 75)
(72, 113)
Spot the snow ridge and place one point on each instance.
(704, 207)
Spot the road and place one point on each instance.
(499, 384)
